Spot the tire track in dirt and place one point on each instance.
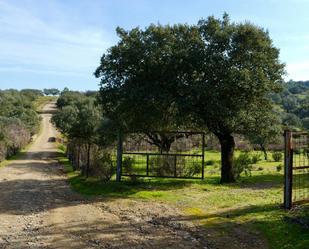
(39, 210)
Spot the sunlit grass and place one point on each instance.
(254, 201)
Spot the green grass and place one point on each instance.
(20, 154)
(40, 102)
(253, 202)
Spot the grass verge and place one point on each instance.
(250, 207)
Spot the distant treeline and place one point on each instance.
(293, 104)
(18, 120)
(80, 118)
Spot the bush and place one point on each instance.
(162, 165)
(105, 167)
(277, 156)
(210, 162)
(242, 163)
(279, 167)
(193, 169)
(127, 165)
(255, 158)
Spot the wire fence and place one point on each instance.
(296, 168)
(163, 154)
(300, 179)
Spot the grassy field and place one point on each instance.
(251, 207)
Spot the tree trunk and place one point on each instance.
(227, 153)
(88, 161)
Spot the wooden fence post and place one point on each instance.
(119, 157)
(288, 169)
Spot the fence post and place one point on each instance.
(119, 157)
(288, 161)
(147, 165)
(203, 154)
(175, 166)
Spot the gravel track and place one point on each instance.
(38, 209)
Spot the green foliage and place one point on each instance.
(18, 120)
(105, 167)
(243, 163)
(255, 157)
(192, 169)
(51, 91)
(293, 104)
(69, 98)
(80, 119)
(127, 165)
(170, 77)
(210, 162)
(265, 129)
(279, 167)
(277, 156)
(162, 165)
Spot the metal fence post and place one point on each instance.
(119, 157)
(147, 165)
(203, 155)
(175, 166)
(288, 161)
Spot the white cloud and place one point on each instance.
(298, 70)
(30, 43)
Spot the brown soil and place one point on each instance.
(39, 210)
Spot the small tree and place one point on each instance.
(265, 130)
(80, 122)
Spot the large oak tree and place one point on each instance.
(215, 75)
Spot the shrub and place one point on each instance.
(279, 167)
(162, 165)
(193, 169)
(105, 167)
(242, 163)
(277, 156)
(255, 158)
(127, 165)
(210, 162)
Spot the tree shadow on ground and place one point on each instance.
(139, 229)
(126, 187)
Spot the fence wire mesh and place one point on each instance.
(164, 154)
(300, 166)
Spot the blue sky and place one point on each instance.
(58, 43)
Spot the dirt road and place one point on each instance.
(39, 210)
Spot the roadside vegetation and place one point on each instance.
(219, 77)
(19, 120)
(247, 210)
